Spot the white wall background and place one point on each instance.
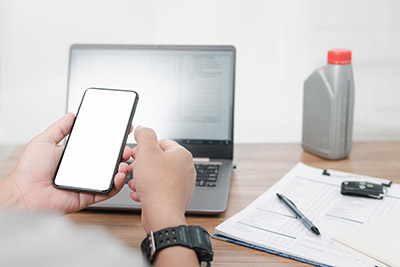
(279, 44)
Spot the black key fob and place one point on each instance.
(363, 189)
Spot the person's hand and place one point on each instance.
(163, 180)
(30, 186)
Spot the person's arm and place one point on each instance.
(9, 195)
(163, 181)
(30, 186)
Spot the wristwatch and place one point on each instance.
(193, 237)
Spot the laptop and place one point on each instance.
(186, 93)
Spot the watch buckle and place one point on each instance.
(152, 245)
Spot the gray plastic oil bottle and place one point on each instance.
(328, 107)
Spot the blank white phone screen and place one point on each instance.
(94, 146)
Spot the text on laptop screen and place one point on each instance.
(184, 94)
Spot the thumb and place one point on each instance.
(146, 138)
(168, 144)
(60, 129)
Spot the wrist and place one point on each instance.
(155, 223)
(10, 196)
(159, 217)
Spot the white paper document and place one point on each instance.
(267, 223)
(378, 241)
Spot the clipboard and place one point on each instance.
(268, 226)
(270, 251)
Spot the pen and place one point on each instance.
(292, 207)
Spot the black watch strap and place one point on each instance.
(194, 237)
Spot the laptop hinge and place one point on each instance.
(201, 159)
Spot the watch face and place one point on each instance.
(201, 243)
(204, 255)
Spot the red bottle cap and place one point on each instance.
(339, 57)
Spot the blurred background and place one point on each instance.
(279, 43)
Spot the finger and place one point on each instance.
(123, 168)
(126, 155)
(134, 151)
(131, 185)
(119, 181)
(146, 138)
(135, 196)
(60, 129)
(167, 144)
(131, 166)
(131, 129)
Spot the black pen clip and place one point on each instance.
(325, 172)
(387, 184)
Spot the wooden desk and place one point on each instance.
(258, 167)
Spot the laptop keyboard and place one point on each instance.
(207, 174)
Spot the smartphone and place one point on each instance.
(97, 140)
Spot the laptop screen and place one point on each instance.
(185, 92)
